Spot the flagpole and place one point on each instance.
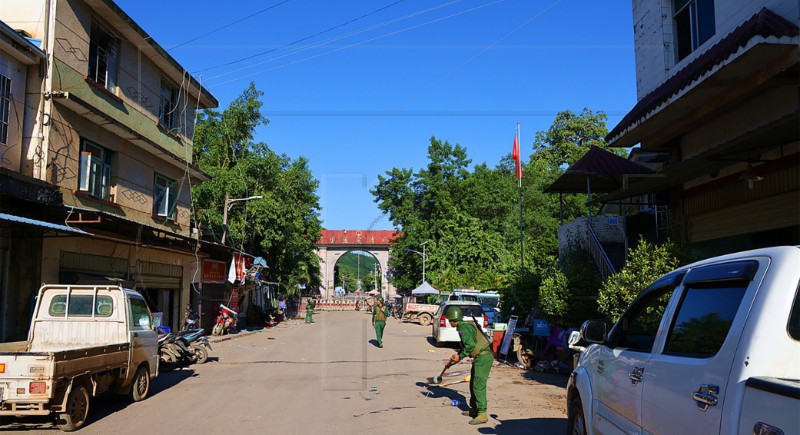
(519, 179)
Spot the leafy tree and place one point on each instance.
(646, 262)
(285, 224)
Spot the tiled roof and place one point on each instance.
(765, 24)
(603, 168)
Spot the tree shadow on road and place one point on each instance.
(110, 404)
(526, 426)
(99, 407)
(547, 378)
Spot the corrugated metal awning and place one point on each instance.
(49, 225)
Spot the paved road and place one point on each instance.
(327, 377)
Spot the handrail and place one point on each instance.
(599, 254)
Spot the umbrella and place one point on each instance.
(425, 289)
(373, 292)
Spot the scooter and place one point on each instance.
(182, 349)
(191, 320)
(197, 342)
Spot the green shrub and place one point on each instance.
(646, 262)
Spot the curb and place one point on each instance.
(219, 339)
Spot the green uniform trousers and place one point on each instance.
(309, 316)
(379, 331)
(481, 365)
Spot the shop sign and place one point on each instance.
(213, 271)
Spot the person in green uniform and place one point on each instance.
(379, 314)
(310, 305)
(474, 344)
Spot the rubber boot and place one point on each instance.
(480, 419)
(470, 413)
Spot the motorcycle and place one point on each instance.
(226, 321)
(397, 311)
(182, 349)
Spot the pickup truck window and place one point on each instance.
(140, 315)
(704, 317)
(640, 323)
(81, 305)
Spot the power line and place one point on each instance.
(336, 38)
(362, 42)
(302, 39)
(229, 25)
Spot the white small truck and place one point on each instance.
(710, 348)
(84, 340)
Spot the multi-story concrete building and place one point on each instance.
(110, 124)
(717, 85)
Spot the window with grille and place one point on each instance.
(165, 196)
(694, 24)
(94, 175)
(166, 108)
(5, 107)
(103, 53)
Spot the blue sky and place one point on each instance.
(366, 96)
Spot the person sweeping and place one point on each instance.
(379, 314)
(475, 345)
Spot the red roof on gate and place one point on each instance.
(357, 237)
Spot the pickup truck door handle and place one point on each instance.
(636, 375)
(135, 334)
(705, 396)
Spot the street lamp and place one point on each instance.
(423, 257)
(228, 204)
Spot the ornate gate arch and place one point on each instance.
(334, 243)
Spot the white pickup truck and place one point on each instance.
(83, 340)
(710, 348)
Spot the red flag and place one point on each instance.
(515, 156)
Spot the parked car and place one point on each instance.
(711, 347)
(444, 333)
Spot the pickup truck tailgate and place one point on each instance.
(25, 377)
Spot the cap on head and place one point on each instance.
(454, 314)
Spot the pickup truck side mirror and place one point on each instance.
(594, 331)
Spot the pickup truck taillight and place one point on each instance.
(442, 322)
(2, 368)
(485, 322)
(37, 388)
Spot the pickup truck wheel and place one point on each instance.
(140, 385)
(576, 422)
(425, 319)
(77, 410)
